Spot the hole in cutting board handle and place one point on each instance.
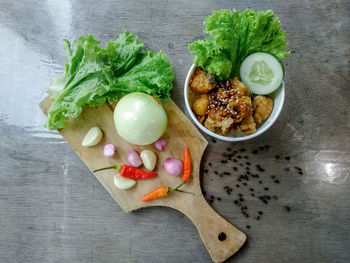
(222, 236)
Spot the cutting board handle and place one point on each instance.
(220, 237)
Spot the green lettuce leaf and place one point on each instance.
(94, 75)
(235, 35)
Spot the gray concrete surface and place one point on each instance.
(52, 209)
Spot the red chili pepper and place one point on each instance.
(187, 165)
(130, 172)
(135, 173)
(155, 194)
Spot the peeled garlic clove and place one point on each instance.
(123, 183)
(149, 159)
(93, 137)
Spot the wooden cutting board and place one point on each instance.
(180, 132)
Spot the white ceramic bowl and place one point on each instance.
(278, 97)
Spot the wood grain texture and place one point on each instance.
(179, 133)
(54, 210)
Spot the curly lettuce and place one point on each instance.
(235, 35)
(94, 75)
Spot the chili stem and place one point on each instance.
(182, 183)
(182, 191)
(118, 167)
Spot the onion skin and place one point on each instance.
(172, 166)
(160, 145)
(134, 158)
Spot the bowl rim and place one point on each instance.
(227, 138)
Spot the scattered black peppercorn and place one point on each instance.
(287, 208)
(259, 168)
(213, 140)
(228, 190)
(222, 236)
(246, 178)
(248, 226)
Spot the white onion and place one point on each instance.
(134, 158)
(109, 150)
(149, 159)
(160, 144)
(139, 119)
(172, 166)
(123, 183)
(92, 137)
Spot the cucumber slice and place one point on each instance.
(262, 73)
